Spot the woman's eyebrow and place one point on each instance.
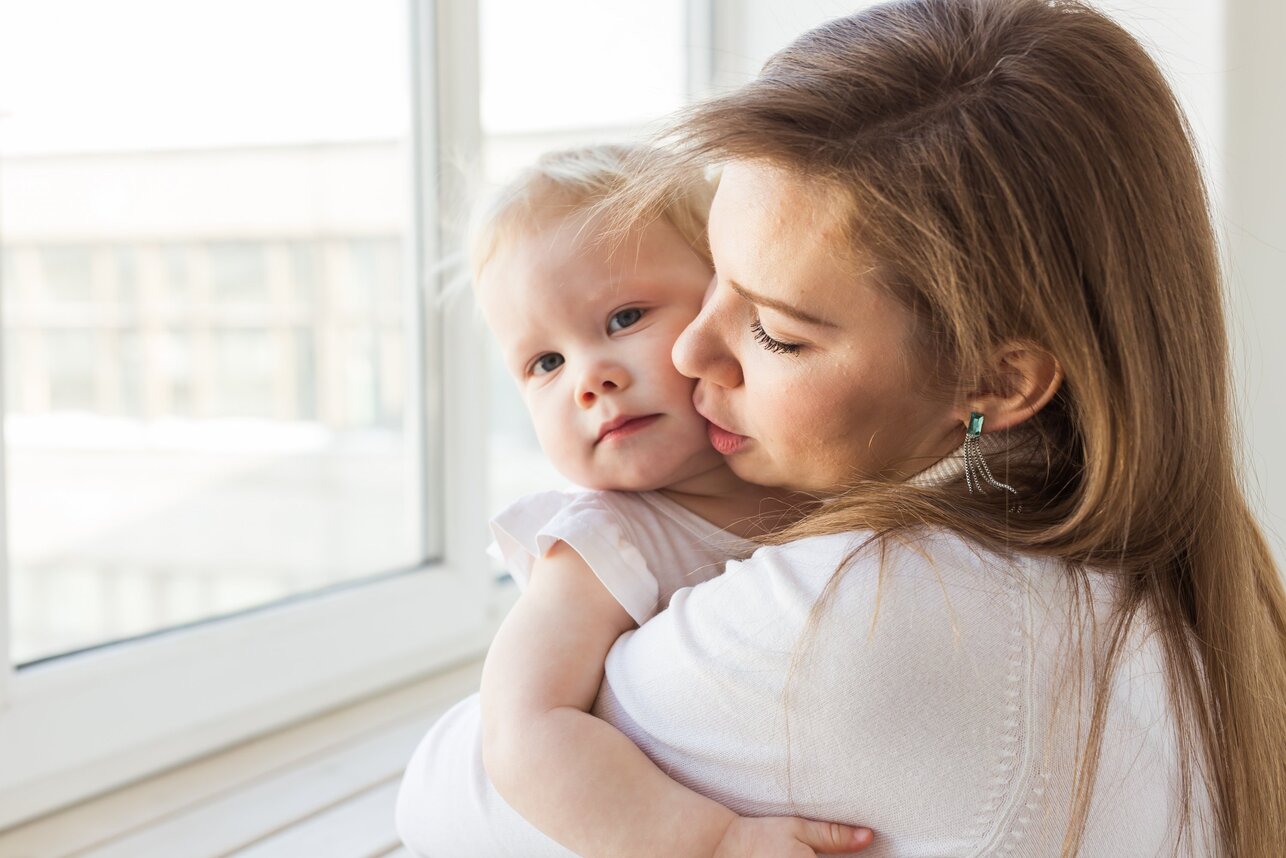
(779, 306)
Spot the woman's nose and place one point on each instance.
(701, 351)
(599, 379)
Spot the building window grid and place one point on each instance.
(132, 347)
(145, 345)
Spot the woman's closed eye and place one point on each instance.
(626, 318)
(771, 344)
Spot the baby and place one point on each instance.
(586, 330)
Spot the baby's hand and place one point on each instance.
(789, 837)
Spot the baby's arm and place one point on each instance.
(577, 778)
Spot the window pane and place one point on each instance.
(568, 64)
(595, 71)
(204, 308)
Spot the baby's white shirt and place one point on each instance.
(641, 545)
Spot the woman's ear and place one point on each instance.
(1020, 379)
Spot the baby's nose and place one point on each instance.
(601, 380)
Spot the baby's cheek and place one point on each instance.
(664, 376)
(553, 442)
(567, 459)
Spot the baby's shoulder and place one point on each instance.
(584, 506)
(640, 517)
(548, 504)
(558, 499)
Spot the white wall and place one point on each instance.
(1226, 63)
(1254, 140)
(747, 32)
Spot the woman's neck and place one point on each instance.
(741, 508)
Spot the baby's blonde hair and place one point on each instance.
(580, 180)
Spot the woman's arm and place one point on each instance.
(578, 779)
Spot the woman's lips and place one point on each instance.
(724, 441)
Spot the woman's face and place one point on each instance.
(804, 368)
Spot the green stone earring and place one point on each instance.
(976, 470)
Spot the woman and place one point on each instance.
(1065, 637)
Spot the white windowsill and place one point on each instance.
(324, 787)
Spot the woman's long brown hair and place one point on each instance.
(1020, 169)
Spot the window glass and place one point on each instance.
(67, 275)
(237, 273)
(204, 308)
(72, 369)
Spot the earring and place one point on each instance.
(976, 469)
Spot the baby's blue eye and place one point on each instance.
(626, 318)
(547, 363)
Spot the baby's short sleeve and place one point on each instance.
(528, 528)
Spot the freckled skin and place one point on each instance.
(852, 401)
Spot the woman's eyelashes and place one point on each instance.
(769, 343)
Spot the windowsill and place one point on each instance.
(323, 786)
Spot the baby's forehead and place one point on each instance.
(530, 307)
(530, 294)
(564, 261)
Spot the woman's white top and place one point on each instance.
(938, 715)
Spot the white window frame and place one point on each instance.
(80, 724)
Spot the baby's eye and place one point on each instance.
(625, 318)
(546, 363)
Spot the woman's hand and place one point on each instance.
(789, 837)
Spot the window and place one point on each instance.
(233, 411)
(241, 413)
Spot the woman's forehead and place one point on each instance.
(781, 236)
(783, 189)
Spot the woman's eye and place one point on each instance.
(769, 343)
(546, 363)
(625, 318)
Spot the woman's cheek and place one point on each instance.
(779, 388)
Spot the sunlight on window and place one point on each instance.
(203, 308)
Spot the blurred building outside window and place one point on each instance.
(204, 309)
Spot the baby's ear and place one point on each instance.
(1021, 377)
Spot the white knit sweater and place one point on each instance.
(930, 707)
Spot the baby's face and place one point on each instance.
(587, 336)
